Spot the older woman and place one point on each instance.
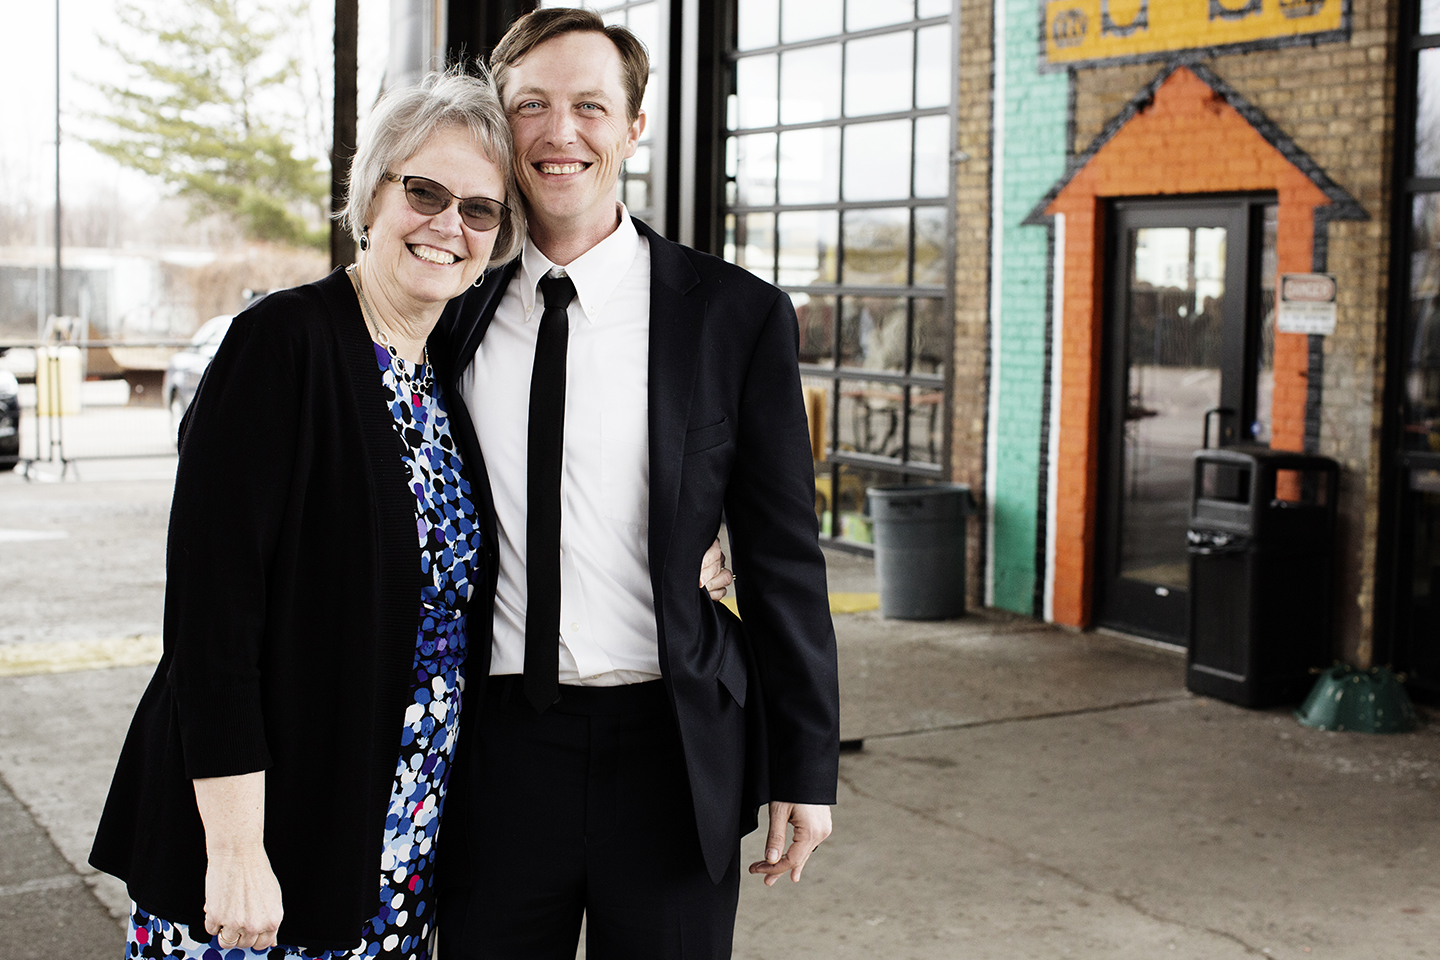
(280, 789)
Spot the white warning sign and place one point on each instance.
(1307, 303)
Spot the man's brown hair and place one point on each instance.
(536, 27)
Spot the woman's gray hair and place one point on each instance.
(406, 117)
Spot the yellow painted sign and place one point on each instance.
(1089, 30)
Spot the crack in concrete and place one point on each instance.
(39, 885)
(1126, 900)
(1027, 717)
(45, 883)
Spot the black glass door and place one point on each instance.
(1182, 350)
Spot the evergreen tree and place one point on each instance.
(205, 111)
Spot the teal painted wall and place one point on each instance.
(1032, 160)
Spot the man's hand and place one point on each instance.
(714, 578)
(811, 822)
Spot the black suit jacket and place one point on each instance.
(758, 705)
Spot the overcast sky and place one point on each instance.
(27, 76)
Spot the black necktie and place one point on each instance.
(542, 528)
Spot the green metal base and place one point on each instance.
(1360, 701)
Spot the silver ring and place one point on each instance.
(228, 943)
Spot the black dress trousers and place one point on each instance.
(585, 811)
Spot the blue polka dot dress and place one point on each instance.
(449, 534)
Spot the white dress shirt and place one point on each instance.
(607, 614)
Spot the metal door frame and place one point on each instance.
(1135, 607)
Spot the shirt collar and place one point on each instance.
(596, 272)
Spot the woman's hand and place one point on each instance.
(242, 896)
(714, 578)
(242, 900)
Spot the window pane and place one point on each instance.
(864, 14)
(637, 194)
(644, 23)
(930, 246)
(755, 169)
(750, 242)
(876, 246)
(817, 327)
(929, 343)
(640, 163)
(870, 417)
(808, 241)
(932, 58)
(877, 161)
(879, 74)
(872, 333)
(808, 19)
(810, 165)
(932, 157)
(852, 512)
(1422, 338)
(818, 391)
(758, 23)
(810, 84)
(1265, 354)
(1427, 115)
(1430, 16)
(927, 420)
(757, 91)
(933, 8)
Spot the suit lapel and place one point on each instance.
(677, 316)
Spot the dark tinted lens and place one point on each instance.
(426, 196)
(480, 214)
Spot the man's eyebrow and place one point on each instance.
(531, 91)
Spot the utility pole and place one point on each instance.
(59, 308)
(342, 151)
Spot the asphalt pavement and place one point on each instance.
(1022, 791)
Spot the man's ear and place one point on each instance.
(632, 136)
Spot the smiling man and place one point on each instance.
(631, 727)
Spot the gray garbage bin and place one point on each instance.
(920, 549)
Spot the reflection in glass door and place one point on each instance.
(1181, 359)
(1177, 280)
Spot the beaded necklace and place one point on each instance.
(399, 364)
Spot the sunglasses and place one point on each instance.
(429, 198)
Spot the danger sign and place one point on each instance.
(1307, 303)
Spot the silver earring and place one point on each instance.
(365, 239)
(479, 280)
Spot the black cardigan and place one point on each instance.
(291, 606)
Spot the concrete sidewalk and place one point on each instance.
(1022, 791)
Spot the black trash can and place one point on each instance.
(920, 549)
(1261, 547)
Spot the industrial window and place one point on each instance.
(838, 188)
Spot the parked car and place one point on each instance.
(9, 420)
(183, 374)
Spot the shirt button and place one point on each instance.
(574, 626)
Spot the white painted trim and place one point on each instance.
(1052, 458)
(997, 237)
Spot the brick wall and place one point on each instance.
(972, 272)
(1031, 158)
